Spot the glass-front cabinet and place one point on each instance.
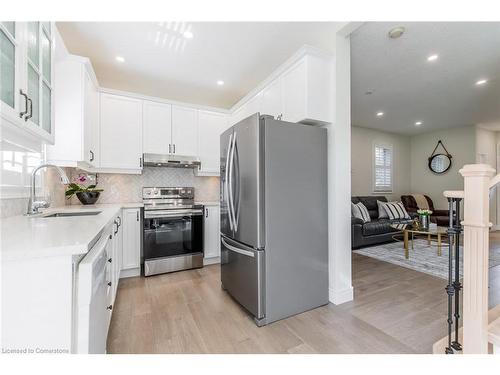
(26, 77)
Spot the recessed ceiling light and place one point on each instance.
(418, 123)
(396, 32)
(432, 57)
(380, 114)
(369, 91)
(481, 82)
(120, 59)
(220, 83)
(187, 34)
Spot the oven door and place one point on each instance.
(172, 232)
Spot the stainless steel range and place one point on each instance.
(173, 230)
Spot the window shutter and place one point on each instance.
(382, 169)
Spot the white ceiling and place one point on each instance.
(408, 88)
(159, 61)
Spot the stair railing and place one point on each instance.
(477, 184)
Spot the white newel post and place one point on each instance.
(476, 247)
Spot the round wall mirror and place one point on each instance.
(439, 163)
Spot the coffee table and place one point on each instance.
(409, 233)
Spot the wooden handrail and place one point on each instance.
(494, 335)
(495, 181)
(454, 194)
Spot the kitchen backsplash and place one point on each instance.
(119, 187)
(128, 188)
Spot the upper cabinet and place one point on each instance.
(184, 131)
(157, 128)
(272, 99)
(210, 126)
(120, 134)
(76, 115)
(27, 75)
(300, 93)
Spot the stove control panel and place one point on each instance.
(168, 192)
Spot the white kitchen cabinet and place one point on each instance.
(272, 99)
(76, 115)
(120, 134)
(27, 74)
(184, 131)
(211, 236)
(301, 93)
(157, 128)
(131, 234)
(210, 126)
(306, 88)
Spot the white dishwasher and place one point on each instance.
(92, 310)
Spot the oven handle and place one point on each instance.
(171, 214)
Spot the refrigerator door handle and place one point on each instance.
(226, 181)
(236, 205)
(237, 250)
(230, 182)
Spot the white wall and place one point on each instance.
(362, 142)
(486, 153)
(460, 143)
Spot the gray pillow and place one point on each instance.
(382, 213)
(359, 211)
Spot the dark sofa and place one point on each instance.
(377, 230)
(440, 217)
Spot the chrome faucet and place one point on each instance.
(34, 205)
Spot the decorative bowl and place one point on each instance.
(88, 197)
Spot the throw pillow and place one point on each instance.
(396, 210)
(382, 214)
(361, 212)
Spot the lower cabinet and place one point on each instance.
(132, 232)
(211, 236)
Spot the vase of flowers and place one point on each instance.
(84, 189)
(424, 218)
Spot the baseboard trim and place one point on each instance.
(132, 272)
(209, 261)
(341, 296)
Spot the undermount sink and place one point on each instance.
(68, 214)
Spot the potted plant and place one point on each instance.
(424, 218)
(86, 193)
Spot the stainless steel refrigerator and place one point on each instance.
(274, 212)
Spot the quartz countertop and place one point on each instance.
(208, 203)
(25, 237)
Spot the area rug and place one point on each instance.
(423, 258)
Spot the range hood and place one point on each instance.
(166, 160)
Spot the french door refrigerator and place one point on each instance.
(274, 228)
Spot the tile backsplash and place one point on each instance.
(128, 188)
(120, 187)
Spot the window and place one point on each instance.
(382, 168)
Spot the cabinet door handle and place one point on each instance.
(169, 148)
(109, 283)
(140, 162)
(110, 260)
(21, 114)
(91, 155)
(119, 221)
(117, 226)
(174, 148)
(31, 110)
(137, 215)
(206, 212)
(110, 307)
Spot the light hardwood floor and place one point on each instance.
(395, 310)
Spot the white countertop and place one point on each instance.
(37, 236)
(208, 203)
